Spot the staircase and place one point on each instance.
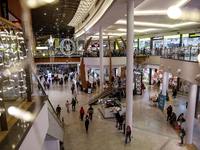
(94, 98)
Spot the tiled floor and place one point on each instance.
(150, 129)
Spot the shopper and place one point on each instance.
(174, 93)
(172, 118)
(75, 96)
(87, 120)
(121, 120)
(73, 104)
(44, 84)
(67, 105)
(77, 83)
(169, 112)
(128, 135)
(82, 112)
(117, 118)
(90, 111)
(58, 110)
(181, 119)
(114, 111)
(72, 88)
(182, 134)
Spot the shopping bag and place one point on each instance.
(177, 127)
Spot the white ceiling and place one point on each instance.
(118, 12)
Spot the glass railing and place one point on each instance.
(189, 53)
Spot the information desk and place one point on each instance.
(106, 107)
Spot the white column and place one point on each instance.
(129, 62)
(165, 83)
(190, 113)
(101, 56)
(78, 68)
(119, 71)
(86, 73)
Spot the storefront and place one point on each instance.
(157, 42)
(183, 85)
(192, 39)
(172, 41)
(135, 43)
(146, 75)
(144, 43)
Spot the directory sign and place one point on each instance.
(161, 101)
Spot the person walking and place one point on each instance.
(82, 112)
(169, 112)
(172, 118)
(75, 96)
(67, 105)
(73, 104)
(128, 134)
(181, 119)
(58, 110)
(117, 118)
(72, 88)
(182, 134)
(90, 111)
(87, 121)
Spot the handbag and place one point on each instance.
(180, 134)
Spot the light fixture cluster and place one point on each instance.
(12, 56)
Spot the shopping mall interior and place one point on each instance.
(100, 74)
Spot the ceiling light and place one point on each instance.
(156, 24)
(57, 19)
(44, 13)
(151, 12)
(145, 30)
(56, 8)
(49, 1)
(125, 14)
(174, 12)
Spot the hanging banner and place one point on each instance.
(4, 9)
(161, 101)
(57, 42)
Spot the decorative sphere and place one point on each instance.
(174, 12)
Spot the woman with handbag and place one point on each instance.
(128, 134)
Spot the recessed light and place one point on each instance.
(62, 33)
(125, 14)
(56, 8)
(56, 22)
(57, 19)
(45, 14)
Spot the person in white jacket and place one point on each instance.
(67, 105)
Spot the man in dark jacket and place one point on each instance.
(117, 118)
(121, 120)
(172, 118)
(169, 112)
(58, 110)
(91, 111)
(73, 104)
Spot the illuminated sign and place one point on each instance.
(96, 45)
(194, 35)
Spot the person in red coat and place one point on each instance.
(82, 112)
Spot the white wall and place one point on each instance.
(95, 62)
(51, 145)
(54, 129)
(154, 60)
(188, 69)
(36, 135)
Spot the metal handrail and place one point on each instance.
(53, 112)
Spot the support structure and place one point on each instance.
(165, 83)
(190, 113)
(129, 62)
(101, 56)
(78, 68)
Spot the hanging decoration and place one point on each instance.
(67, 47)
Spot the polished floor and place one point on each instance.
(150, 129)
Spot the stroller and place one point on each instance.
(153, 101)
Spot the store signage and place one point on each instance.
(194, 35)
(4, 9)
(157, 38)
(153, 66)
(161, 101)
(57, 42)
(96, 45)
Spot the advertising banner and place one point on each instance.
(4, 9)
(161, 101)
(57, 42)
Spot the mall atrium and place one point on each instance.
(100, 75)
